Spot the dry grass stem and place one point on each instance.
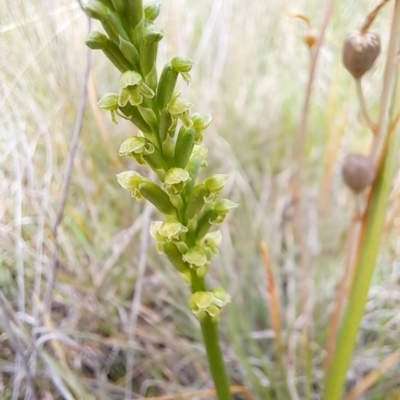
(388, 80)
(67, 179)
(211, 392)
(30, 393)
(273, 299)
(372, 377)
(364, 108)
(372, 15)
(136, 300)
(297, 181)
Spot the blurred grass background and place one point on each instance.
(250, 73)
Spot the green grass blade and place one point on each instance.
(353, 314)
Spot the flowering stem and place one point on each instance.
(209, 328)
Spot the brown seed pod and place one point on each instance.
(360, 51)
(358, 172)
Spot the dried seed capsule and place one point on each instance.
(358, 172)
(360, 51)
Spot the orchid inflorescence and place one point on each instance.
(158, 110)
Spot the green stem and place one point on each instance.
(209, 329)
(370, 240)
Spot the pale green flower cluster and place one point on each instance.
(169, 141)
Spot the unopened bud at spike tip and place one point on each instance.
(358, 172)
(96, 41)
(360, 52)
(152, 10)
(95, 9)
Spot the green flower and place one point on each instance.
(199, 152)
(215, 184)
(130, 180)
(133, 89)
(200, 123)
(183, 65)
(222, 207)
(175, 180)
(136, 147)
(211, 303)
(109, 102)
(221, 298)
(211, 242)
(169, 230)
(196, 258)
(178, 107)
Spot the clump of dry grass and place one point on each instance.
(255, 89)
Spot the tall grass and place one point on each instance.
(252, 61)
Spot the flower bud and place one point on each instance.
(152, 34)
(360, 51)
(96, 41)
(95, 9)
(182, 64)
(358, 172)
(152, 10)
